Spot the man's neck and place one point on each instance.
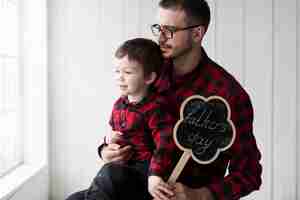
(188, 62)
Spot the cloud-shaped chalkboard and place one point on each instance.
(204, 128)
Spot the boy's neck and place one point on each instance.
(137, 98)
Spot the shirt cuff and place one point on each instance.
(100, 148)
(215, 191)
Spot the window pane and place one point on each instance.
(10, 135)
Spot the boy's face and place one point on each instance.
(130, 79)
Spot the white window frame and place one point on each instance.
(33, 59)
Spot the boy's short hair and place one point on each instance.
(144, 51)
(197, 11)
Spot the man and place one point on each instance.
(188, 71)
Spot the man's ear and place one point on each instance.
(198, 33)
(150, 78)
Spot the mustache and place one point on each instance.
(165, 46)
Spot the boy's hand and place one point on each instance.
(113, 137)
(159, 189)
(114, 152)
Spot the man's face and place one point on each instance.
(181, 43)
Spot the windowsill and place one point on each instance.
(13, 182)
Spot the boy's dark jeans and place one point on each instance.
(117, 181)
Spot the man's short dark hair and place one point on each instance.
(144, 51)
(197, 11)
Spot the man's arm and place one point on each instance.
(161, 125)
(244, 168)
(182, 192)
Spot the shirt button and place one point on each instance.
(123, 124)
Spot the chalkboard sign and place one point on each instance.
(203, 130)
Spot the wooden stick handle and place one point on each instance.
(179, 167)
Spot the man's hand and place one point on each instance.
(114, 152)
(159, 189)
(183, 192)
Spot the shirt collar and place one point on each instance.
(125, 101)
(165, 80)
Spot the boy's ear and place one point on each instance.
(151, 78)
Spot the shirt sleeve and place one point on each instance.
(244, 168)
(161, 124)
(105, 139)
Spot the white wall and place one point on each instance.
(257, 41)
(82, 39)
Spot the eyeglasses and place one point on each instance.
(168, 31)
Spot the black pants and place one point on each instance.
(117, 182)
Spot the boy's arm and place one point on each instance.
(105, 140)
(109, 150)
(161, 125)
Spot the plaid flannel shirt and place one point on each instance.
(243, 157)
(147, 127)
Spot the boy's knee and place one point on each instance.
(110, 170)
(77, 196)
(112, 174)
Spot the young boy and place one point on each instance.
(138, 119)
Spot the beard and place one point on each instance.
(176, 52)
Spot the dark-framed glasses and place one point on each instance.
(168, 31)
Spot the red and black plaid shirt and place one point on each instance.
(147, 127)
(243, 157)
